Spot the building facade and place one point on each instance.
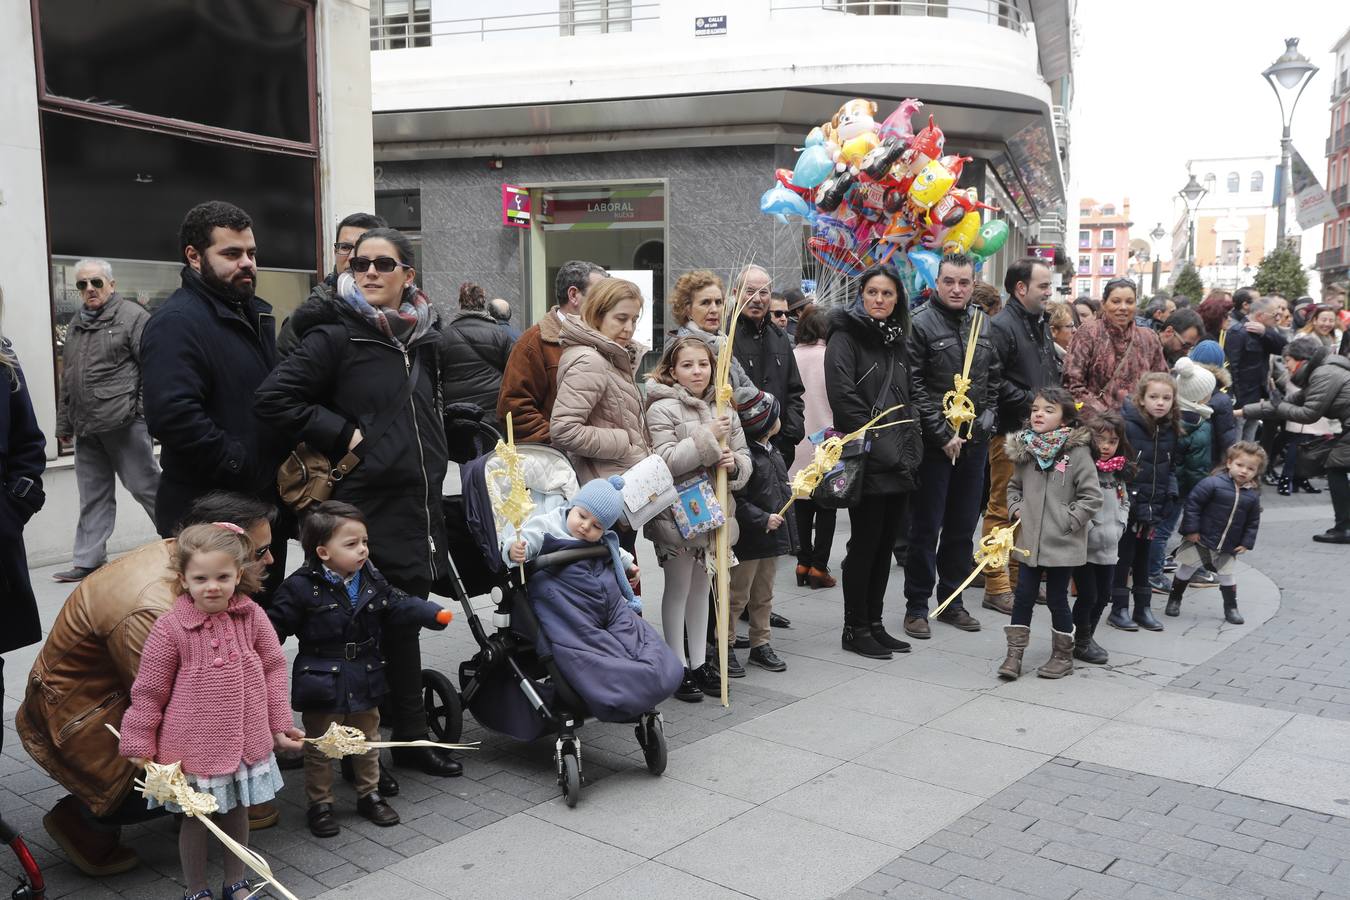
(641, 135)
(1103, 247)
(258, 102)
(1234, 220)
(1333, 263)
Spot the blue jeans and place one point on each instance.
(944, 513)
(1157, 551)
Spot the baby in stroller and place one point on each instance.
(616, 662)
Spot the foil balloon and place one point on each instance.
(781, 202)
(813, 167)
(854, 150)
(961, 237)
(990, 238)
(897, 127)
(925, 263)
(815, 137)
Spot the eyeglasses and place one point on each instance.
(84, 283)
(383, 264)
(344, 247)
(261, 553)
(778, 313)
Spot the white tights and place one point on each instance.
(684, 607)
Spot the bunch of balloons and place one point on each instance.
(873, 189)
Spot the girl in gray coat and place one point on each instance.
(1094, 578)
(1053, 493)
(687, 434)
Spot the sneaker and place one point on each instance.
(707, 679)
(1169, 565)
(764, 657)
(1204, 579)
(1161, 585)
(734, 667)
(73, 575)
(689, 690)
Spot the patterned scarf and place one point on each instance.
(1114, 464)
(1045, 447)
(891, 332)
(402, 326)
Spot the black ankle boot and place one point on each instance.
(1143, 616)
(1306, 487)
(1230, 610)
(1285, 487)
(882, 637)
(1174, 598)
(860, 641)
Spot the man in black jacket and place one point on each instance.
(946, 506)
(1249, 345)
(1027, 358)
(203, 354)
(474, 351)
(765, 353)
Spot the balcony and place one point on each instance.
(1341, 196)
(1338, 140)
(1331, 258)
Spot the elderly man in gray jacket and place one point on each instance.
(100, 407)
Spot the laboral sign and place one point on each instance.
(637, 207)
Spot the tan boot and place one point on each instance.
(1018, 636)
(1061, 656)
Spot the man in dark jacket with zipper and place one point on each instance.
(203, 354)
(765, 353)
(946, 505)
(474, 351)
(1027, 359)
(1249, 346)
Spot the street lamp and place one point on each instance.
(1157, 234)
(1292, 70)
(1191, 195)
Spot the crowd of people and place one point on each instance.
(1108, 437)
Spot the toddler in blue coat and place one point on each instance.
(1223, 513)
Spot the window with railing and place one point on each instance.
(1230, 252)
(1108, 264)
(595, 16)
(1085, 265)
(399, 24)
(1108, 238)
(994, 12)
(1084, 239)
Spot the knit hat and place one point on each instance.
(1208, 353)
(601, 498)
(1195, 385)
(1304, 346)
(758, 411)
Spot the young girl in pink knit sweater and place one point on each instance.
(211, 693)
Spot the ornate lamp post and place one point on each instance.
(1157, 235)
(1287, 76)
(1191, 195)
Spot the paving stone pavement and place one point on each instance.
(838, 774)
(1078, 830)
(1300, 659)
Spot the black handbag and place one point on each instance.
(1311, 459)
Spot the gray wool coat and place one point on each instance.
(1054, 505)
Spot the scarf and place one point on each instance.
(1045, 447)
(403, 326)
(351, 585)
(88, 315)
(1114, 464)
(891, 332)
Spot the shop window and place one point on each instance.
(1258, 180)
(242, 65)
(399, 24)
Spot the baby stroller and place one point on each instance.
(507, 685)
(31, 884)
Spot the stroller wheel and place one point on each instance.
(651, 734)
(445, 715)
(571, 780)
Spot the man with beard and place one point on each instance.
(204, 353)
(1182, 331)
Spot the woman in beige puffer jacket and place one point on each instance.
(597, 416)
(682, 429)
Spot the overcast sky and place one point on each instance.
(1158, 82)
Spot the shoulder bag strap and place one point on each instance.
(882, 398)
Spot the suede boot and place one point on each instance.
(1061, 656)
(861, 642)
(97, 852)
(1230, 610)
(1174, 597)
(1018, 636)
(1085, 646)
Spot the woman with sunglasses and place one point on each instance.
(376, 342)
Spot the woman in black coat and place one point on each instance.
(866, 371)
(22, 459)
(355, 357)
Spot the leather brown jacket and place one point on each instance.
(82, 677)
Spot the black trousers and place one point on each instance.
(1133, 561)
(874, 524)
(815, 533)
(1338, 483)
(1056, 595)
(942, 521)
(403, 711)
(1094, 583)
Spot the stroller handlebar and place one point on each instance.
(563, 557)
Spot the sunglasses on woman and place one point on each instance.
(383, 264)
(83, 283)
